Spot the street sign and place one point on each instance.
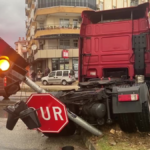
(52, 113)
(65, 54)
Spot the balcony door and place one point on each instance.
(75, 23)
(64, 23)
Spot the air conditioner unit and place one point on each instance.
(41, 42)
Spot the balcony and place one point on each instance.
(27, 10)
(63, 6)
(75, 3)
(57, 29)
(54, 52)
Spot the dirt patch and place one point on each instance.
(115, 139)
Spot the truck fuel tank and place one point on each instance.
(97, 110)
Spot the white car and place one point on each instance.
(63, 77)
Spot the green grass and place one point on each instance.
(103, 144)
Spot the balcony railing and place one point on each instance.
(58, 47)
(78, 3)
(56, 26)
(55, 48)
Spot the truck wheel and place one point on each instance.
(68, 130)
(127, 123)
(143, 118)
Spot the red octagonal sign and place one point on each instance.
(52, 113)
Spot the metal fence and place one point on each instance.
(59, 26)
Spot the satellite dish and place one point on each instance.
(34, 47)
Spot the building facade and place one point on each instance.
(53, 28)
(113, 4)
(21, 47)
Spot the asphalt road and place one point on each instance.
(23, 139)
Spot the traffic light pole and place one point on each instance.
(71, 115)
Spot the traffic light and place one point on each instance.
(21, 111)
(4, 63)
(12, 68)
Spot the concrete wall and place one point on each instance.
(55, 53)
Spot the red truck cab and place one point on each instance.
(106, 42)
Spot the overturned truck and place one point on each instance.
(114, 72)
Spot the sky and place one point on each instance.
(12, 20)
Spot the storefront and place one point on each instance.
(60, 64)
(75, 64)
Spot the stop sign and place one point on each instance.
(52, 113)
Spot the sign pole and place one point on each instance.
(71, 115)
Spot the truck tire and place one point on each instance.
(127, 123)
(143, 118)
(68, 130)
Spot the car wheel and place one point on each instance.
(64, 82)
(45, 82)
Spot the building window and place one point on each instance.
(64, 23)
(59, 73)
(75, 43)
(114, 7)
(134, 2)
(60, 64)
(65, 74)
(51, 3)
(41, 25)
(75, 23)
(64, 44)
(75, 64)
(101, 5)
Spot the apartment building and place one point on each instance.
(20, 47)
(113, 4)
(53, 28)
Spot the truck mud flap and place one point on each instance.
(130, 106)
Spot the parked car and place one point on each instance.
(63, 77)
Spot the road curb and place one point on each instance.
(87, 140)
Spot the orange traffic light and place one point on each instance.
(4, 63)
